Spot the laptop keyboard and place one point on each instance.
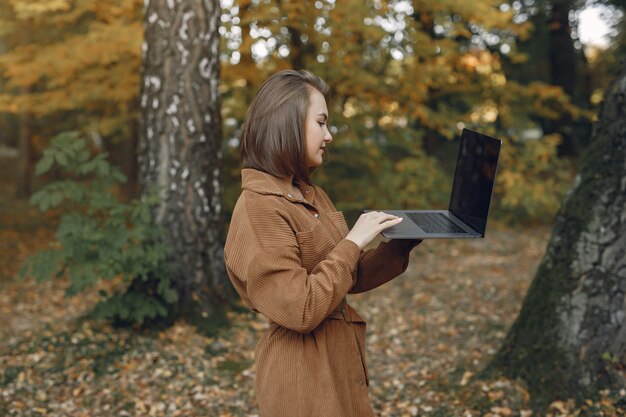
(435, 223)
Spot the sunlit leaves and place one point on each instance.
(428, 68)
(418, 67)
(81, 56)
(34, 8)
(534, 188)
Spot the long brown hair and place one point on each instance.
(273, 138)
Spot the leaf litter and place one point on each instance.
(430, 333)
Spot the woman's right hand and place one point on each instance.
(369, 225)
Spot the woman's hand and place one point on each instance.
(369, 225)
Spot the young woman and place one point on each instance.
(291, 257)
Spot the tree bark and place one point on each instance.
(570, 337)
(180, 146)
(129, 158)
(25, 161)
(562, 54)
(123, 153)
(565, 71)
(25, 165)
(129, 162)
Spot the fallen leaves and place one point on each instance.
(430, 333)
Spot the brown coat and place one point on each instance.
(287, 257)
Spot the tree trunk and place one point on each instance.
(570, 337)
(129, 162)
(562, 54)
(128, 156)
(123, 153)
(180, 147)
(567, 70)
(301, 52)
(25, 165)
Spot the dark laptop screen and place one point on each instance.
(474, 177)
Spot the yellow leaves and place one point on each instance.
(13, 62)
(102, 64)
(500, 411)
(482, 62)
(467, 375)
(561, 406)
(9, 104)
(545, 91)
(498, 79)
(79, 9)
(485, 113)
(85, 89)
(349, 109)
(83, 55)
(127, 10)
(7, 27)
(485, 13)
(25, 9)
(531, 179)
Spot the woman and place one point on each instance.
(291, 257)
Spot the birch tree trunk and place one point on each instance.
(570, 337)
(180, 146)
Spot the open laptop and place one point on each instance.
(472, 188)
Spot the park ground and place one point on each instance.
(430, 333)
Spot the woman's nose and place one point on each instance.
(328, 137)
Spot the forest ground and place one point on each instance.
(430, 333)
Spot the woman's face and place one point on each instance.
(316, 133)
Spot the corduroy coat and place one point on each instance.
(287, 256)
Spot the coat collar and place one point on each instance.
(263, 183)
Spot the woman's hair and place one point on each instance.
(273, 138)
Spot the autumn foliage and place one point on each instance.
(406, 76)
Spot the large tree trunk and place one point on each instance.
(180, 148)
(570, 337)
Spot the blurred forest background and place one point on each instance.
(406, 78)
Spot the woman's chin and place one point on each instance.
(316, 163)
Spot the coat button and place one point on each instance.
(289, 195)
(361, 382)
(317, 216)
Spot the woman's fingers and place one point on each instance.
(382, 221)
(371, 224)
(390, 222)
(382, 217)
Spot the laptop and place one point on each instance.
(472, 187)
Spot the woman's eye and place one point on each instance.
(321, 123)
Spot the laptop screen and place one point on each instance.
(474, 177)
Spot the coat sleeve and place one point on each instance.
(276, 283)
(380, 265)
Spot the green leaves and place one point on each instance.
(69, 151)
(100, 237)
(42, 265)
(44, 164)
(131, 306)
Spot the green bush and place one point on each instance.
(99, 237)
